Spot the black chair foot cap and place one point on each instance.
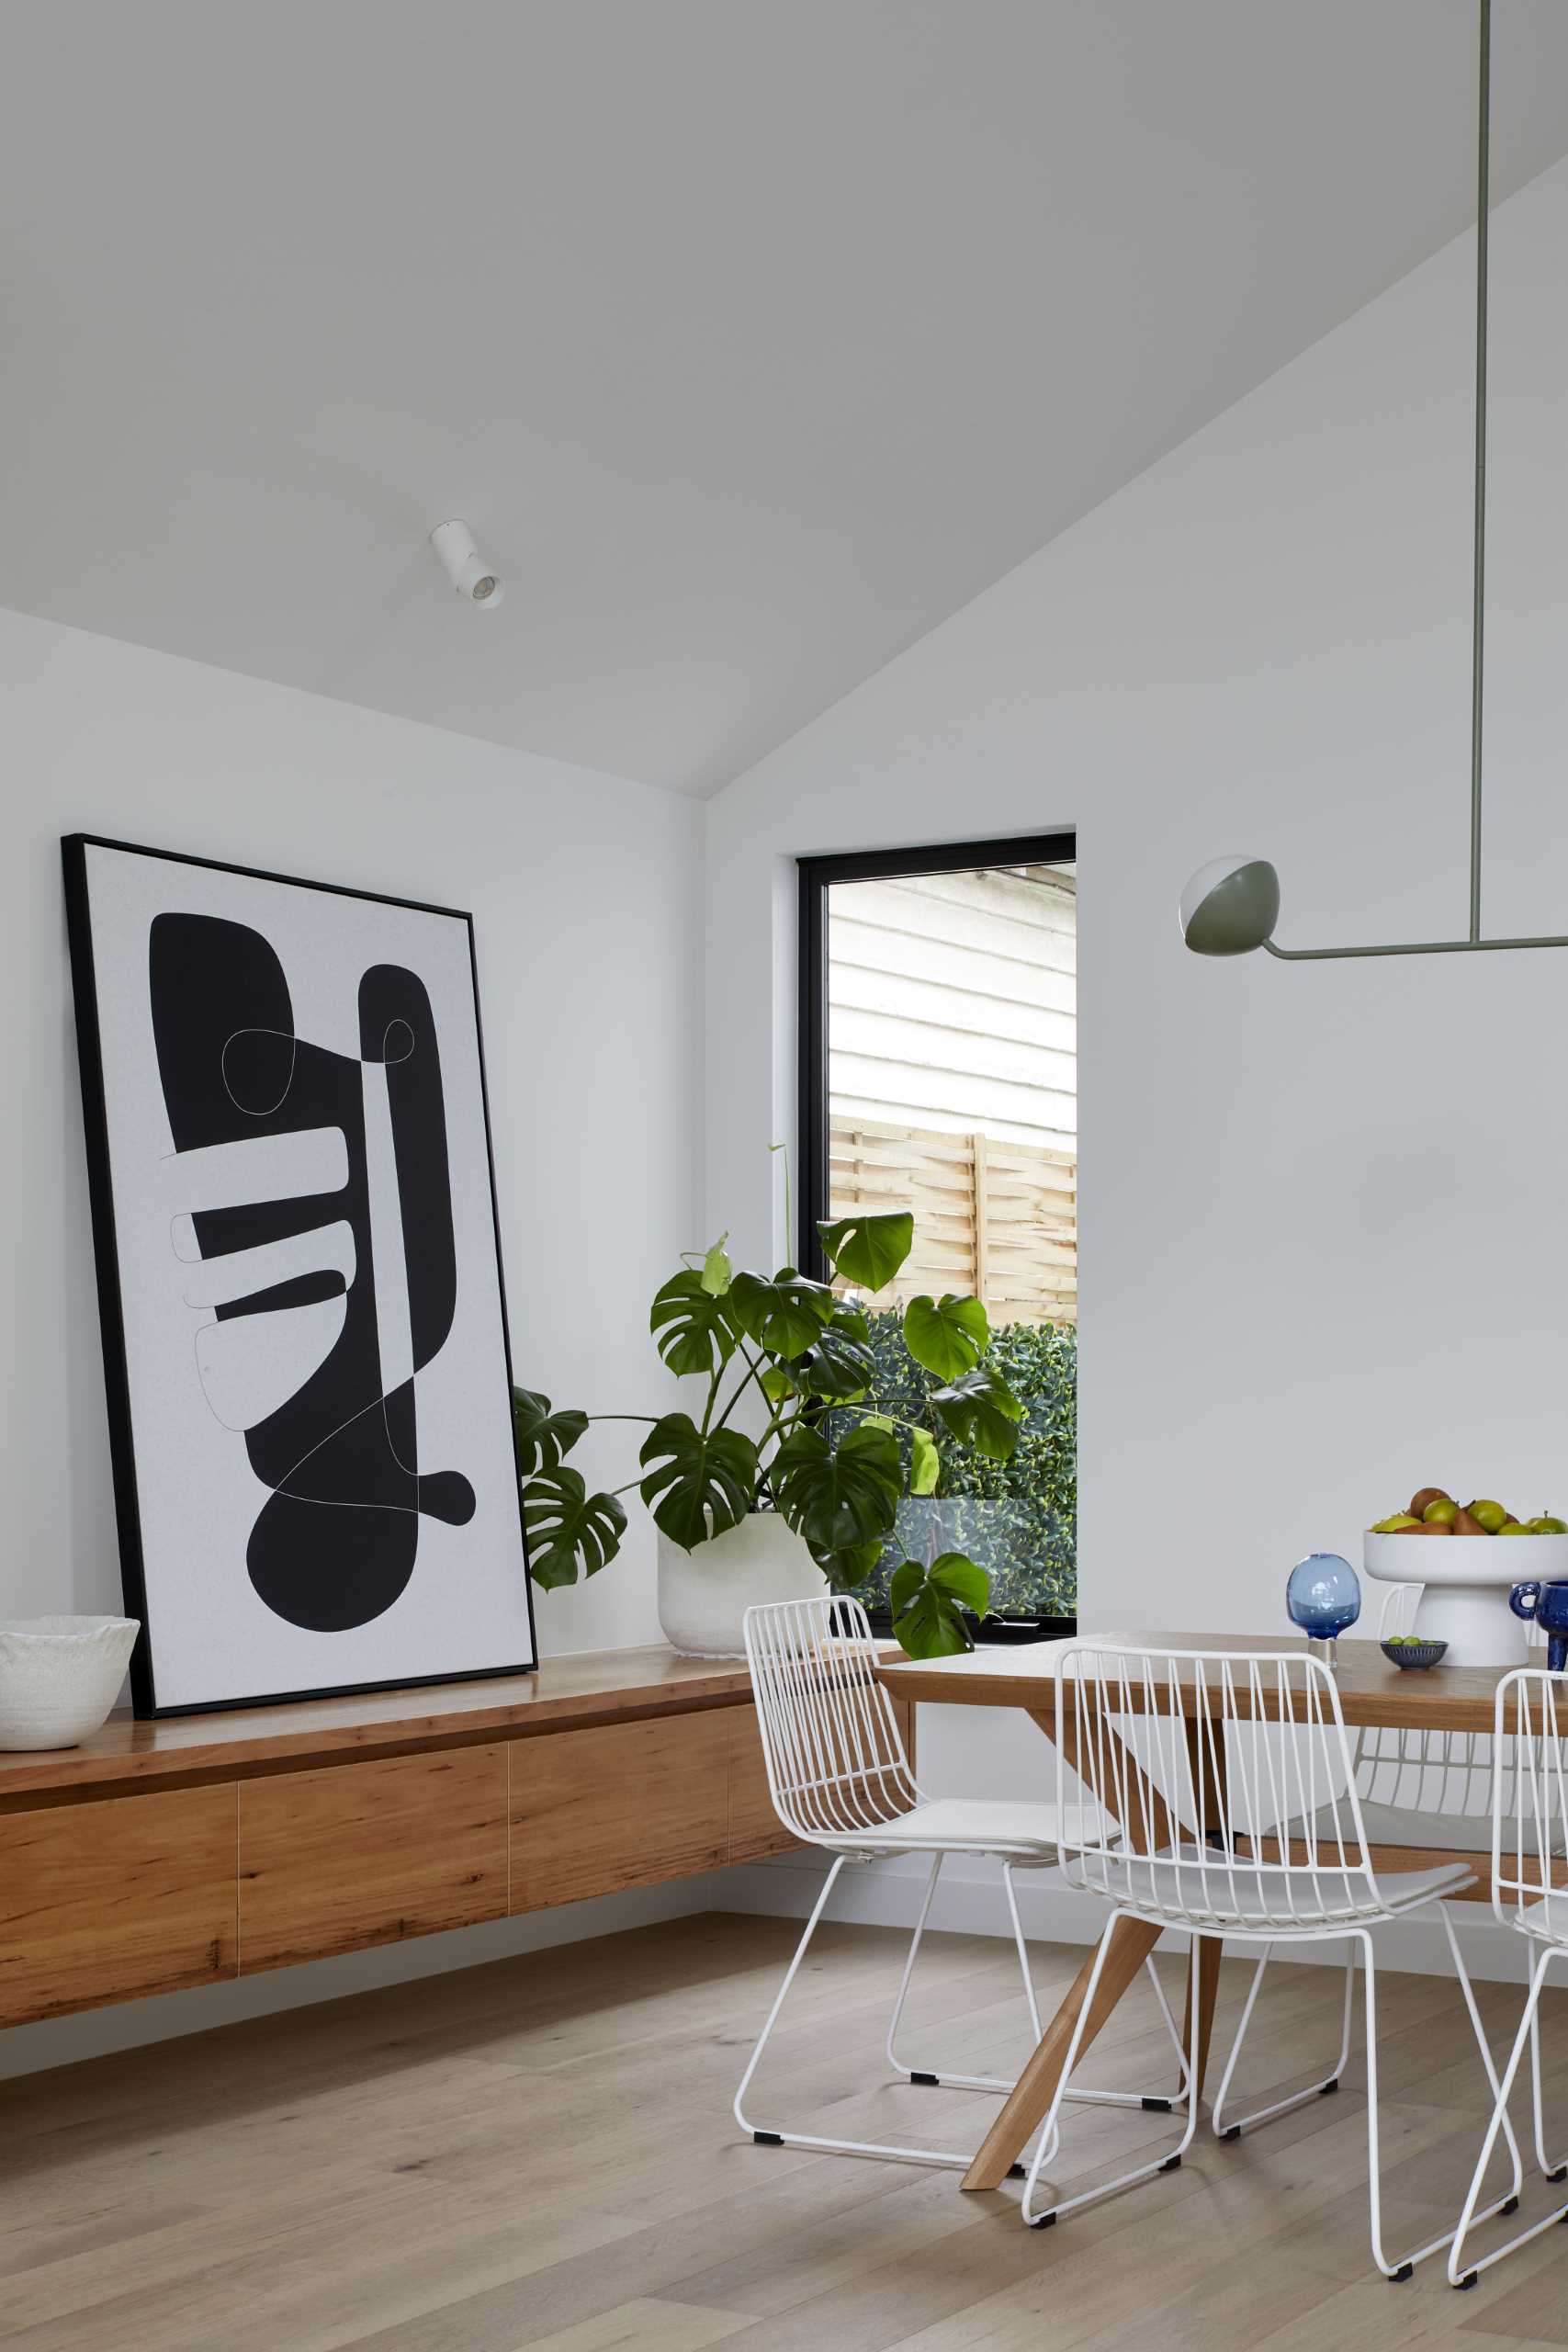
(1561, 2174)
(1155, 2105)
(1405, 2270)
(1230, 2131)
(1509, 2205)
(1044, 2222)
(1171, 2163)
(1018, 2172)
(934, 2080)
(768, 2139)
(1468, 2280)
(1326, 2090)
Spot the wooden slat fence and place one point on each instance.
(999, 1219)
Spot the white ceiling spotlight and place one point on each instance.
(477, 582)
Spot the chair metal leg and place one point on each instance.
(775, 2139)
(944, 2080)
(1330, 2083)
(1402, 2268)
(1462, 2270)
(1048, 2214)
(1554, 2169)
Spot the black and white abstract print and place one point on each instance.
(311, 1408)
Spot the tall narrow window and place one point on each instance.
(938, 1073)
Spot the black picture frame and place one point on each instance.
(75, 848)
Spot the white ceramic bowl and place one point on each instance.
(59, 1676)
(1466, 1580)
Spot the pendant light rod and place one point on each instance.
(1230, 906)
(1478, 613)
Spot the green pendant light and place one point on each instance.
(1231, 905)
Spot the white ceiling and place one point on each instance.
(752, 336)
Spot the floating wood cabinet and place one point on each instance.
(106, 1902)
(625, 1805)
(366, 1853)
(163, 1855)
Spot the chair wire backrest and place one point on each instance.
(1529, 1801)
(836, 1761)
(1225, 1741)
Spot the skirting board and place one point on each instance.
(969, 1901)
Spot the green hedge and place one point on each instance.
(1017, 1519)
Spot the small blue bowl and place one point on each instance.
(1413, 1656)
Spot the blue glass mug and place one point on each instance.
(1548, 1604)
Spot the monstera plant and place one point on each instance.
(793, 1362)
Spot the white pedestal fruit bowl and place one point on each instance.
(1466, 1582)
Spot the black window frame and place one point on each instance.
(817, 876)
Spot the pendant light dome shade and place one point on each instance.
(1230, 906)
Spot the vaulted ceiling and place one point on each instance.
(753, 337)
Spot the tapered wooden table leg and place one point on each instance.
(1131, 1943)
(1205, 1958)
(1209, 1788)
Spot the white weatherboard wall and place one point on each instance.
(1324, 1247)
(585, 891)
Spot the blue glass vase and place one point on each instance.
(1324, 1597)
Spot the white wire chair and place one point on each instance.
(1435, 1782)
(1529, 1893)
(1226, 1740)
(840, 1779)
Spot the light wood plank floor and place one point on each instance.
(540, 2153)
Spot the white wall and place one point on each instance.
(584, 893)
(1324, 1251)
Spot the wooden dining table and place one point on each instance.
(1372, 1691)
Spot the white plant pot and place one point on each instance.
(1466, 1580)
(703, 1594)
(59, 1676)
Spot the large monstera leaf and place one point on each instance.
(868, 1250)
(839, 1497)
(929, 1603)
(980, 1408)
(699, 1482)
(838, 1364)
(852, 1564)
(570, 1531)
(544, 1436)
(785, 1315)
(946, 1335)
(691, 1324)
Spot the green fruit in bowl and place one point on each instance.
(1441, 1513)
(1491, 1515)
(1547, 1525)
(1513, 1528)
(1400, 1524)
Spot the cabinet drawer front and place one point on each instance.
(110, 1901)
(625, 1805)
(362, 1854)
(754, 1828)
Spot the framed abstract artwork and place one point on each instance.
(300, 1282)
